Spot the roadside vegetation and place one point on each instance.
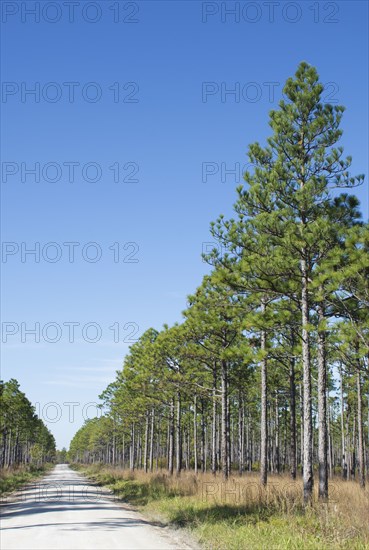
(14, 478)
(242, 514)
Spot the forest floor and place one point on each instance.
(240, 514)
(14, 478)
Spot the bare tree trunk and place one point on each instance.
(276, 437)
(360, 431)
(293, 465)
(224, 442)
(158, 443)
(203, 450)
(240, 434)
(353, 446)
(308, 479)
(228, 431)
(171, 438)
(285, 438)
(9, 446)
(114, 448)
(264, 412)
(243, 435)
(330, 445)
(132, 448)
(146, 440)
(322, 407)
(178, 436)
(248, 444)
(301, 429)
(123, 453)
(151, 454)
(348, 444)
(214, 425)
(188, 449)
(195, 432)
(4, 447)
(367, 455)
(343, 437)
(139, 448)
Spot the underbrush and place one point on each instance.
(240, 513)
(13, 478)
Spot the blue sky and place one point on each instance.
(150, 96)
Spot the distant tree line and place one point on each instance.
(269, 369)
(25, 440)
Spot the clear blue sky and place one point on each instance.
(175, 125)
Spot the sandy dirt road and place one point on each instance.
(64, 511)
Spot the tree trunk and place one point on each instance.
(293, 465)
(214, 425)
(203, 453)
(171, 438)
(264, 412)
(146, 440)
(353, 446)
(343, 437)
(330, 443)
(224, 443)
(277, 438)
(4, 447)
(132, 448)
(322, 408)
(151, 454)
(123, 453)
(195, 432)
(360, 431)
(240, 434)
(228, 431)
(178, 436)
(308, 479)
(158, 443)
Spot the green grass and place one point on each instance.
(220, 526)
(273, 520)
(14, 478)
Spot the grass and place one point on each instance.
(240, 514)
(14, 478)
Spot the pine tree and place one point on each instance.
(283, 215)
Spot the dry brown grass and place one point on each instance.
(14, 477)
(230, 512)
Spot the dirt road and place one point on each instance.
(64, 511)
